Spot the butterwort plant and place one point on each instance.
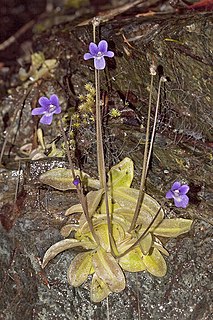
(120, 227)
(98, 52)
(48, 108)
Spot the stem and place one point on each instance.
(141, 237)
(162, 79)
(147, 156)
(100, 151)
(101, 160)
(144, 171)
(79, 188)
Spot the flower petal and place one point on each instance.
(47, 118)
(109, 54)
(93, 49)
(57, 110)
(176, 185)
(54, 100)
(169, 195)
(100, 63)
(88, 56)
(183, 203)
(103, 46)
(44, 102)
(184, 189)
(38, 111)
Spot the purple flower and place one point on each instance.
(98, 52)
(76, 181)
(48, 108)
(178, 193)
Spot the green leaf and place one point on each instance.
(93, 201)
(155, 263)
(126, 214)
(80, 268)
(62, 179)
(45, 69)
(146, 243)
(121, 174)
(63, 245)
(108, 270)
(160, 247)
(99, 289)
(39, 67)
(173, 227)
(112, 206)
(127, 198)
(101, 231)
(74, 209)
(85, 236)
(132, 261)
(126, 243)
(37, 59)
(67, 229)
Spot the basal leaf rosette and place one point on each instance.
(138, 250)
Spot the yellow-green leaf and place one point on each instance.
(173, 227)
(112, 206)
(146, 243)
(155, 263)
(85, 237)
(101, 231)
(108, 270)
(62, 179)
(160, 248)
(126, 214)
(38, 59)
(47, 66)
(121, 174)
(63, 245)
(67, 229)
(99, 289)
(132, 261)
(127, 198)
(74, 209)
(79, 269)
(83, 225)
(126, 243)
(39, 67)
(93, 201)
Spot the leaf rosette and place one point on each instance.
(138, 250)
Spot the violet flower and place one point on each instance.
(98, 52)
(178, 193)
(48, 108)
(76, 181)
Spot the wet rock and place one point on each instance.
(180, 45)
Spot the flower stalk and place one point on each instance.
(147, 152)
(79, 188)
(98, 53)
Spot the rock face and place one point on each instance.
(180, 45)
